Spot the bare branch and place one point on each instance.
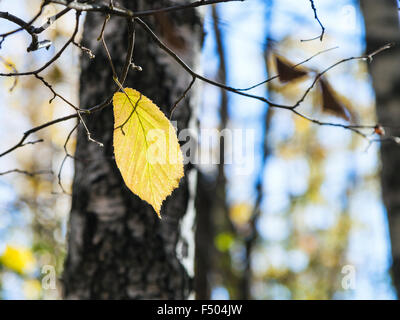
(293, 107)
(35, 44)
(321, 36)
(131, 18)
(182, 97)
(84, 49)
(196, 75)
(67, 155)
(28, 173)
(277, 76)
(56, 56)
(4, 35)
(125, 70)
(117, 11)
(50, 21)
(33, 130)
(55, 94)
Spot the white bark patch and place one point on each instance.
(185, 247)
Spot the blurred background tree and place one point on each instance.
(280, 225)
(382, 25)
(312, 204)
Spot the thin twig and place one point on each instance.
(31, 174)
(296, 65)
(67, 155)
(50, 21)
(134, 107)
(133, 17)
(35, 43)
(84, 49)
(35, 129)
(118, 11)
(55, 94)
(321, 36)
(56, 56)
(125, 70)
(182, 97)
(292, 108)
(3, 36)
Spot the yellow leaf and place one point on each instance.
(9, 64)
(240, 213)
(224, 241)
(146, 148)
(32, 289)
(302, 125)
(18, 259)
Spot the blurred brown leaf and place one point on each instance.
(331, 101)
(287, 71)
(379, 130)
(169, 32)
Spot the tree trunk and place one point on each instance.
(382, 27)
(117, 247)
(211, 203)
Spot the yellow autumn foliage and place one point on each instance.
(18, 259)
(240, 213)
(32, 289)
